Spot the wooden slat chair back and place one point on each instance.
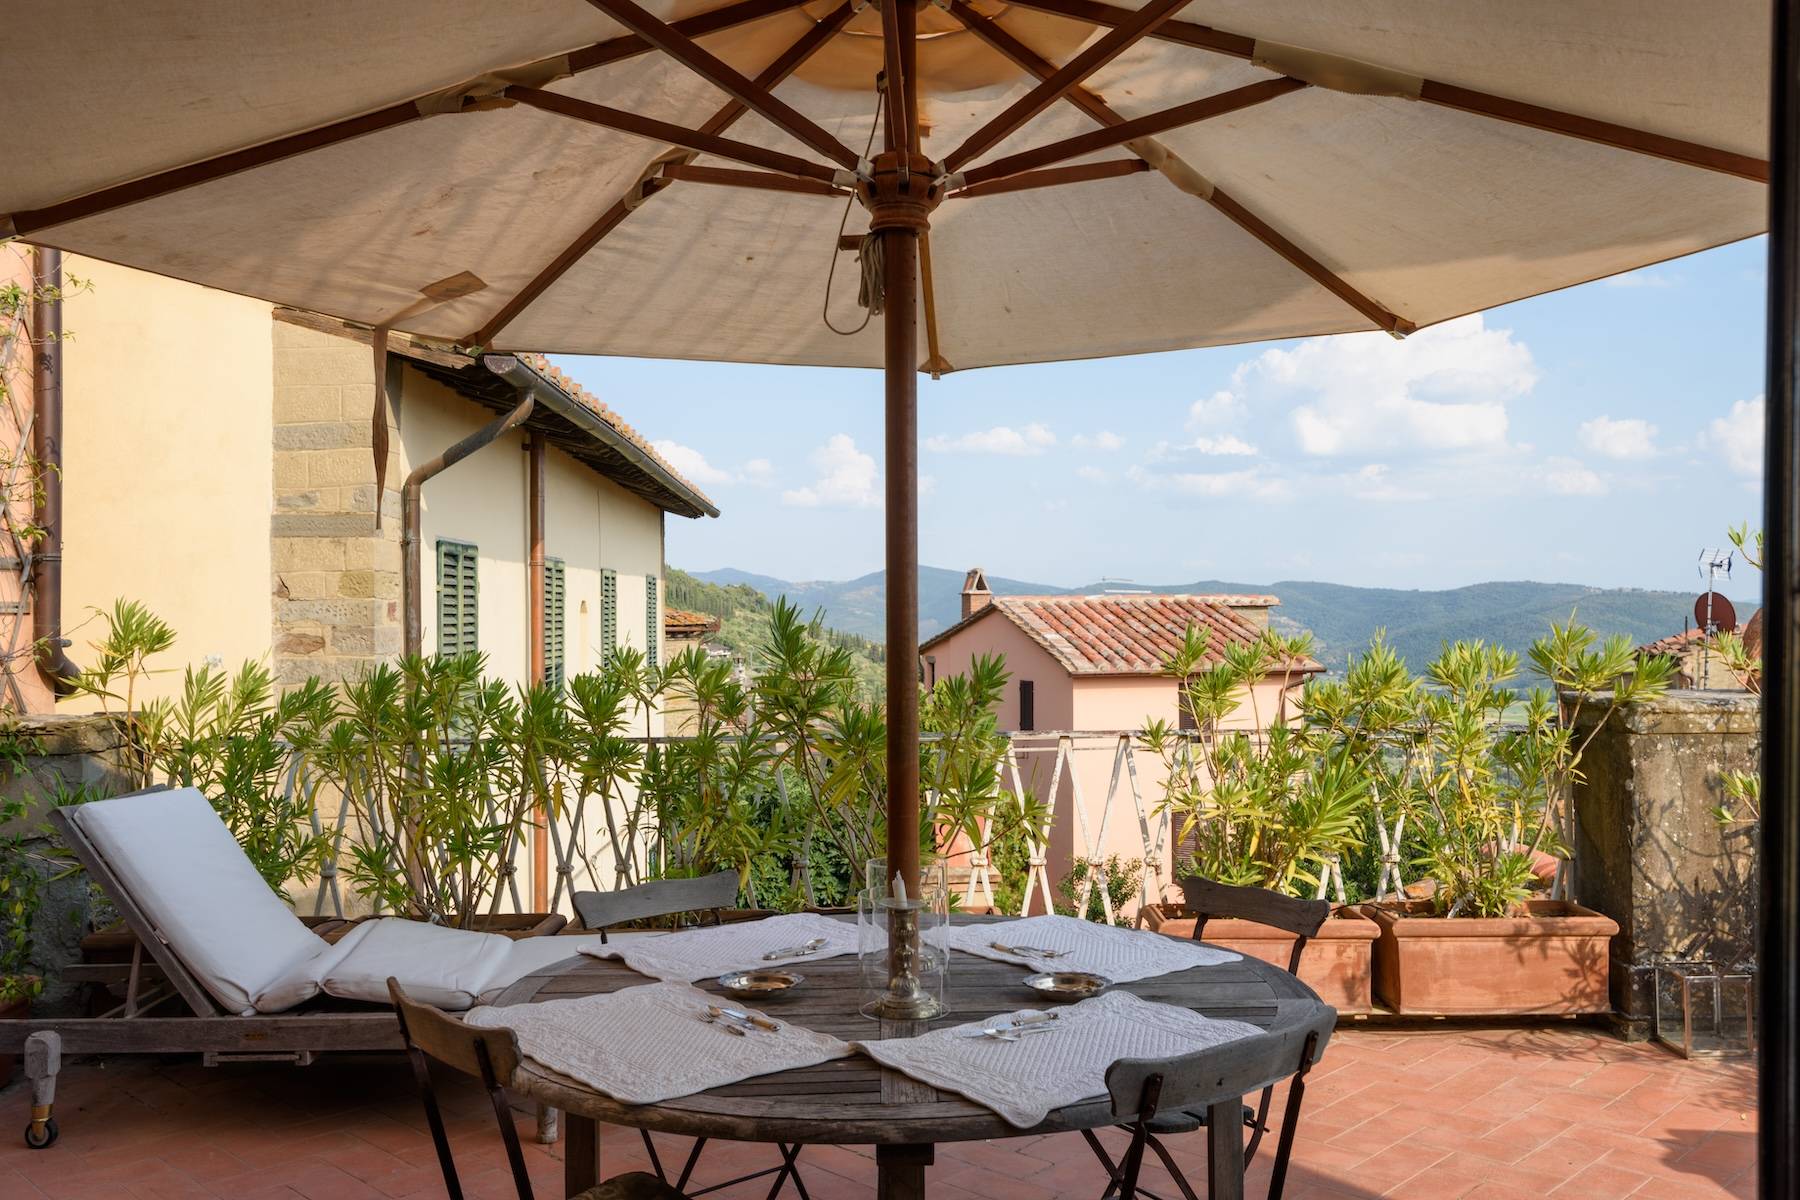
(659, 898)
(1206, 899)
(492, 1056)
(1221, 1076)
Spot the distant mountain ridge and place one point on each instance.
(1342, 619)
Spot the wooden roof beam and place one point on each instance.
(1121, 38)
(1445, 95)
(696, 58)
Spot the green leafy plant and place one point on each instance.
(1270, 805)
(119, 667)
(1118, 877)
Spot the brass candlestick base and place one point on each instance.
(906, 998)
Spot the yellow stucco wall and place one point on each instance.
(167, 463)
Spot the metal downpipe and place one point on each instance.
(46, 447)
(411, 580)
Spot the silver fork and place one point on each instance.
(817, 943)
(1029, 951)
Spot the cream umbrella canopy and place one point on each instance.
(1041, 179)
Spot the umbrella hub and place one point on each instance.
(902, 190)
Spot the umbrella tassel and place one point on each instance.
(868, 257)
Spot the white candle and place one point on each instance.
(899, 888)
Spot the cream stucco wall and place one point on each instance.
(167, 463)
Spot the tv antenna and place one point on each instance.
(1713, 612)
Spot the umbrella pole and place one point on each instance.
(900, 197)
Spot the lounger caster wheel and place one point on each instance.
(41, 1135)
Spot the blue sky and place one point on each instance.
(1601, 435)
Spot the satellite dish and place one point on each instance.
(1713, 612)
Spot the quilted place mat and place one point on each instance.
(641, 1045)
(715, 949)
(1072, 944)
(1059, 1062)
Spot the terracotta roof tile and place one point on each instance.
(1675, 643)
(1124, 635)
(544, 367)
(679, 621)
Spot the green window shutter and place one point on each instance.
(609, 613)
(555, 589)
(652, 623)
(459, 592)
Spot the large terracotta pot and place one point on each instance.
(1336, 963)
(1552, 961)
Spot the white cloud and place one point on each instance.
(1247, 484)
(1623, 438)
(1376, 482)
(691, 463)
(1106, 439)
(1001, 439)
(847, 478)
(1224, 444)
(1444, 388)
(758, 471)
(1569, 477)
(1092, 474)
(1737, 437)
(1211, 412)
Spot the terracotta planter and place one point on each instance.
(1552, 961)
(12, 1010)
(1336, 963)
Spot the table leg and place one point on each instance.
(900, 1171)
(1225, 1150)
(581, 1153)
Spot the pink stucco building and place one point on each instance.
(1085, 670)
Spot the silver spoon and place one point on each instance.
(817, 943)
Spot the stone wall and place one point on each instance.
(336, 578)
(67, 754)
(1649, 852)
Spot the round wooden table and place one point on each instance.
(855, 1101)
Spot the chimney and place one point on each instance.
(975, 594)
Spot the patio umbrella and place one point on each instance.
(1036, 179)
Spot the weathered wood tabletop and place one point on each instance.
(854, 1100)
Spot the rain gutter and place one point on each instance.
(527, 378)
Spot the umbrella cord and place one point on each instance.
(868, 256)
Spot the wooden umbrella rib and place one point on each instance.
(1190, 113)
(790, 59)
(1445, 95)
(1121, 38)
(759, 180)
(675, 135)
(206, 170)
(716, 71)
(1099, 110)
(699, 25)
(1113, 168)
(1588, 129)
(176, 179)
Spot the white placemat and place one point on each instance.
(703, 953)
(1026, 1080)
(650, 1043)
(1121, 955)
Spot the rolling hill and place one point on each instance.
(1341, 619)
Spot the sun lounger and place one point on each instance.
(233, 973)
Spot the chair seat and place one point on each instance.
(638, 1185)
(1179, 1121)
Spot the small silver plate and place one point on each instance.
(760, 985)
(1067, 985)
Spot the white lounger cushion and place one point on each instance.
(187, 873)
(451, 969)
(182, 867)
